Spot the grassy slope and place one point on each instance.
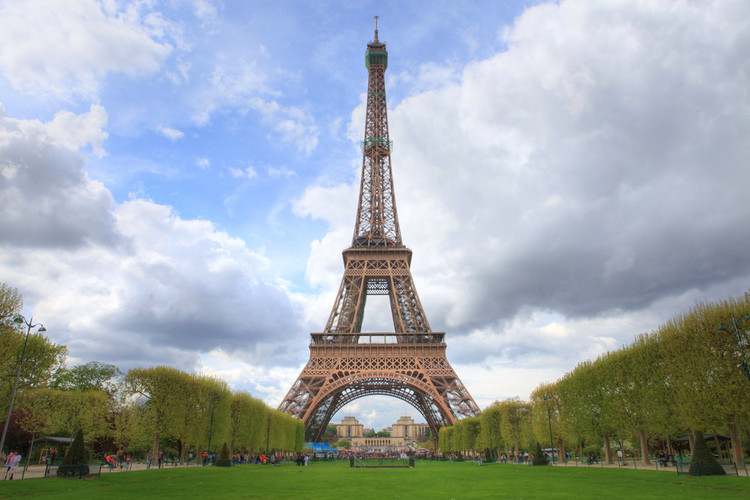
(427, 480)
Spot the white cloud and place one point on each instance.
(171, 133)
(79, 44)
(48, 199)
(243, 173)
(130, 283)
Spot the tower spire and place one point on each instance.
(377, 221)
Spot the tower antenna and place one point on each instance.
(376, 29)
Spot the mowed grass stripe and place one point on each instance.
(436, 480)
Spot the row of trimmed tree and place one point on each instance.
(147, 410)
(689, 376)
(160, 408)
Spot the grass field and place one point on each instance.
(433, 480)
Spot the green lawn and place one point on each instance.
(433, 480)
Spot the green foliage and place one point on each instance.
(539, 458)
(384, 434)
(703, 462)
(343, 444)
(223, 460)
(89, 376)
(11, 302)
(490, 436)
(75, 463)
(42, 360)
(685, 375)
(64, 412)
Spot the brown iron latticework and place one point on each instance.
(409, 363)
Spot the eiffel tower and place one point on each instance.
(409, 363)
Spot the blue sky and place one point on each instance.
(179, 178)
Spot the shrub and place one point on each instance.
(75, 463)
(539, 458)
(703, 462)
(223, 460)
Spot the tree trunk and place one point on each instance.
(28, 459)
(561, 458)
(608, 451)
(644, 447)
(691, 441)
(155, 451)
(718, 447)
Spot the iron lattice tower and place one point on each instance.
(409, 363)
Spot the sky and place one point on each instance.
(178, 179)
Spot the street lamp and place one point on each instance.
(21, 321)
(549, 422)
(214, 398)
(735, 323)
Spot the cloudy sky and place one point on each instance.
(178, 179)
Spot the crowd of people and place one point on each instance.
(120, 460)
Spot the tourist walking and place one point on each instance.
(11, 464)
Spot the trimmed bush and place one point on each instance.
(539, 458)
(76, 462)
(703, 462)
(223, 460)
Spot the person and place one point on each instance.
(7, 462)
(12, 463)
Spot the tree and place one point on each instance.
(40, 363)
(514, 422)
(343, 444)
(65, 412)
(11, 303)
(89, 376)
(247, 417)
(703, 462)
(539, 458)
(76, 461)
(714, 394)
(490, 429)
(467, 432)
(223, 460)
(165, 390)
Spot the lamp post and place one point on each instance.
(549, 422)
(214, 398)
(735, 323)
(21, 321)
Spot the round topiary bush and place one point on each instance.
(703, 462)
(539, 458)
(76, 462)
(223, 460)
